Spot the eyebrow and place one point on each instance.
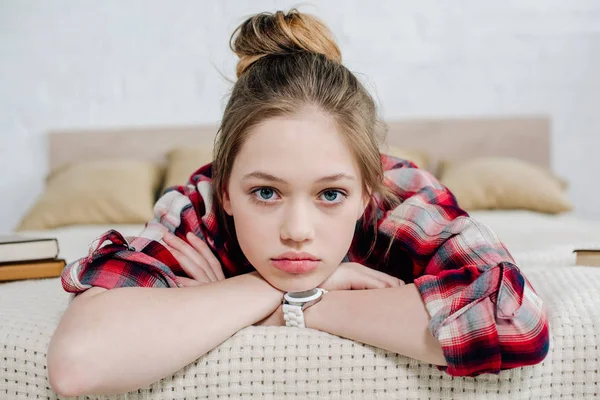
(269, 177)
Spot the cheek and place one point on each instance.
(254, 232)
(337, 234)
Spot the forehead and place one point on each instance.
(305, 146)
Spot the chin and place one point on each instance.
(295, 283)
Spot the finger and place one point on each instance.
(202, 247)
(187, 282)
(393, 282)
(364, 281)
(369, 282)
(193, 270)
(190, 253)
(389, 280)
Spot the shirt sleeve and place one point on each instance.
(484, 312)
(115, 261)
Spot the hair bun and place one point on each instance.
(267, 33)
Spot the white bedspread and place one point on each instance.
(254, 363)
(527, 231)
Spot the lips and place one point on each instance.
(295, 266)
(293, 255)
(294, 262)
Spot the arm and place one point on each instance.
(128, 338)
(138, 267)
(371, 317)
(484, 313)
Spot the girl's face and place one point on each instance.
(295, 187)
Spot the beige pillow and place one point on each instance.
(504, 183)
(95, 192)
(182, 162)
(420, 158)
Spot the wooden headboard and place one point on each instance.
(525, 137)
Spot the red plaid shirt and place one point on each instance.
(485, 314)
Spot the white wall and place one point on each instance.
(81, 64)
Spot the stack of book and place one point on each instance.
(23, 257)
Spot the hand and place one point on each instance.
(276, 317)
(195, 258)
(355, 276)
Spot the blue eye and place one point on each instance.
(266, 193)
(263, 195)
(331, 195)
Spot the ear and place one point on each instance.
(227, 203)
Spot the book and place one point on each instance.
(17, 248)
(32, 270)
(588, 256)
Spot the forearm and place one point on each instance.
(127, 338)
(393, 319)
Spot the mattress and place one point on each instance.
(328, 366)
(526, 231)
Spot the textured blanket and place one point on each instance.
(281, 362)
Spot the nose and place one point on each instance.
(296, 223)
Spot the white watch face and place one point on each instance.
(304, 296)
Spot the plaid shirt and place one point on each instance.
(484, 312)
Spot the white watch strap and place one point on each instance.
(293, 315)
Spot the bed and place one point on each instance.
(251, 363)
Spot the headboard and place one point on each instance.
(523, 137)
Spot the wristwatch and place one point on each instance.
(294, 303)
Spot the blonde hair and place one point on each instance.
(289, 61)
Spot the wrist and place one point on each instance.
(314, 314)
(258, 285)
